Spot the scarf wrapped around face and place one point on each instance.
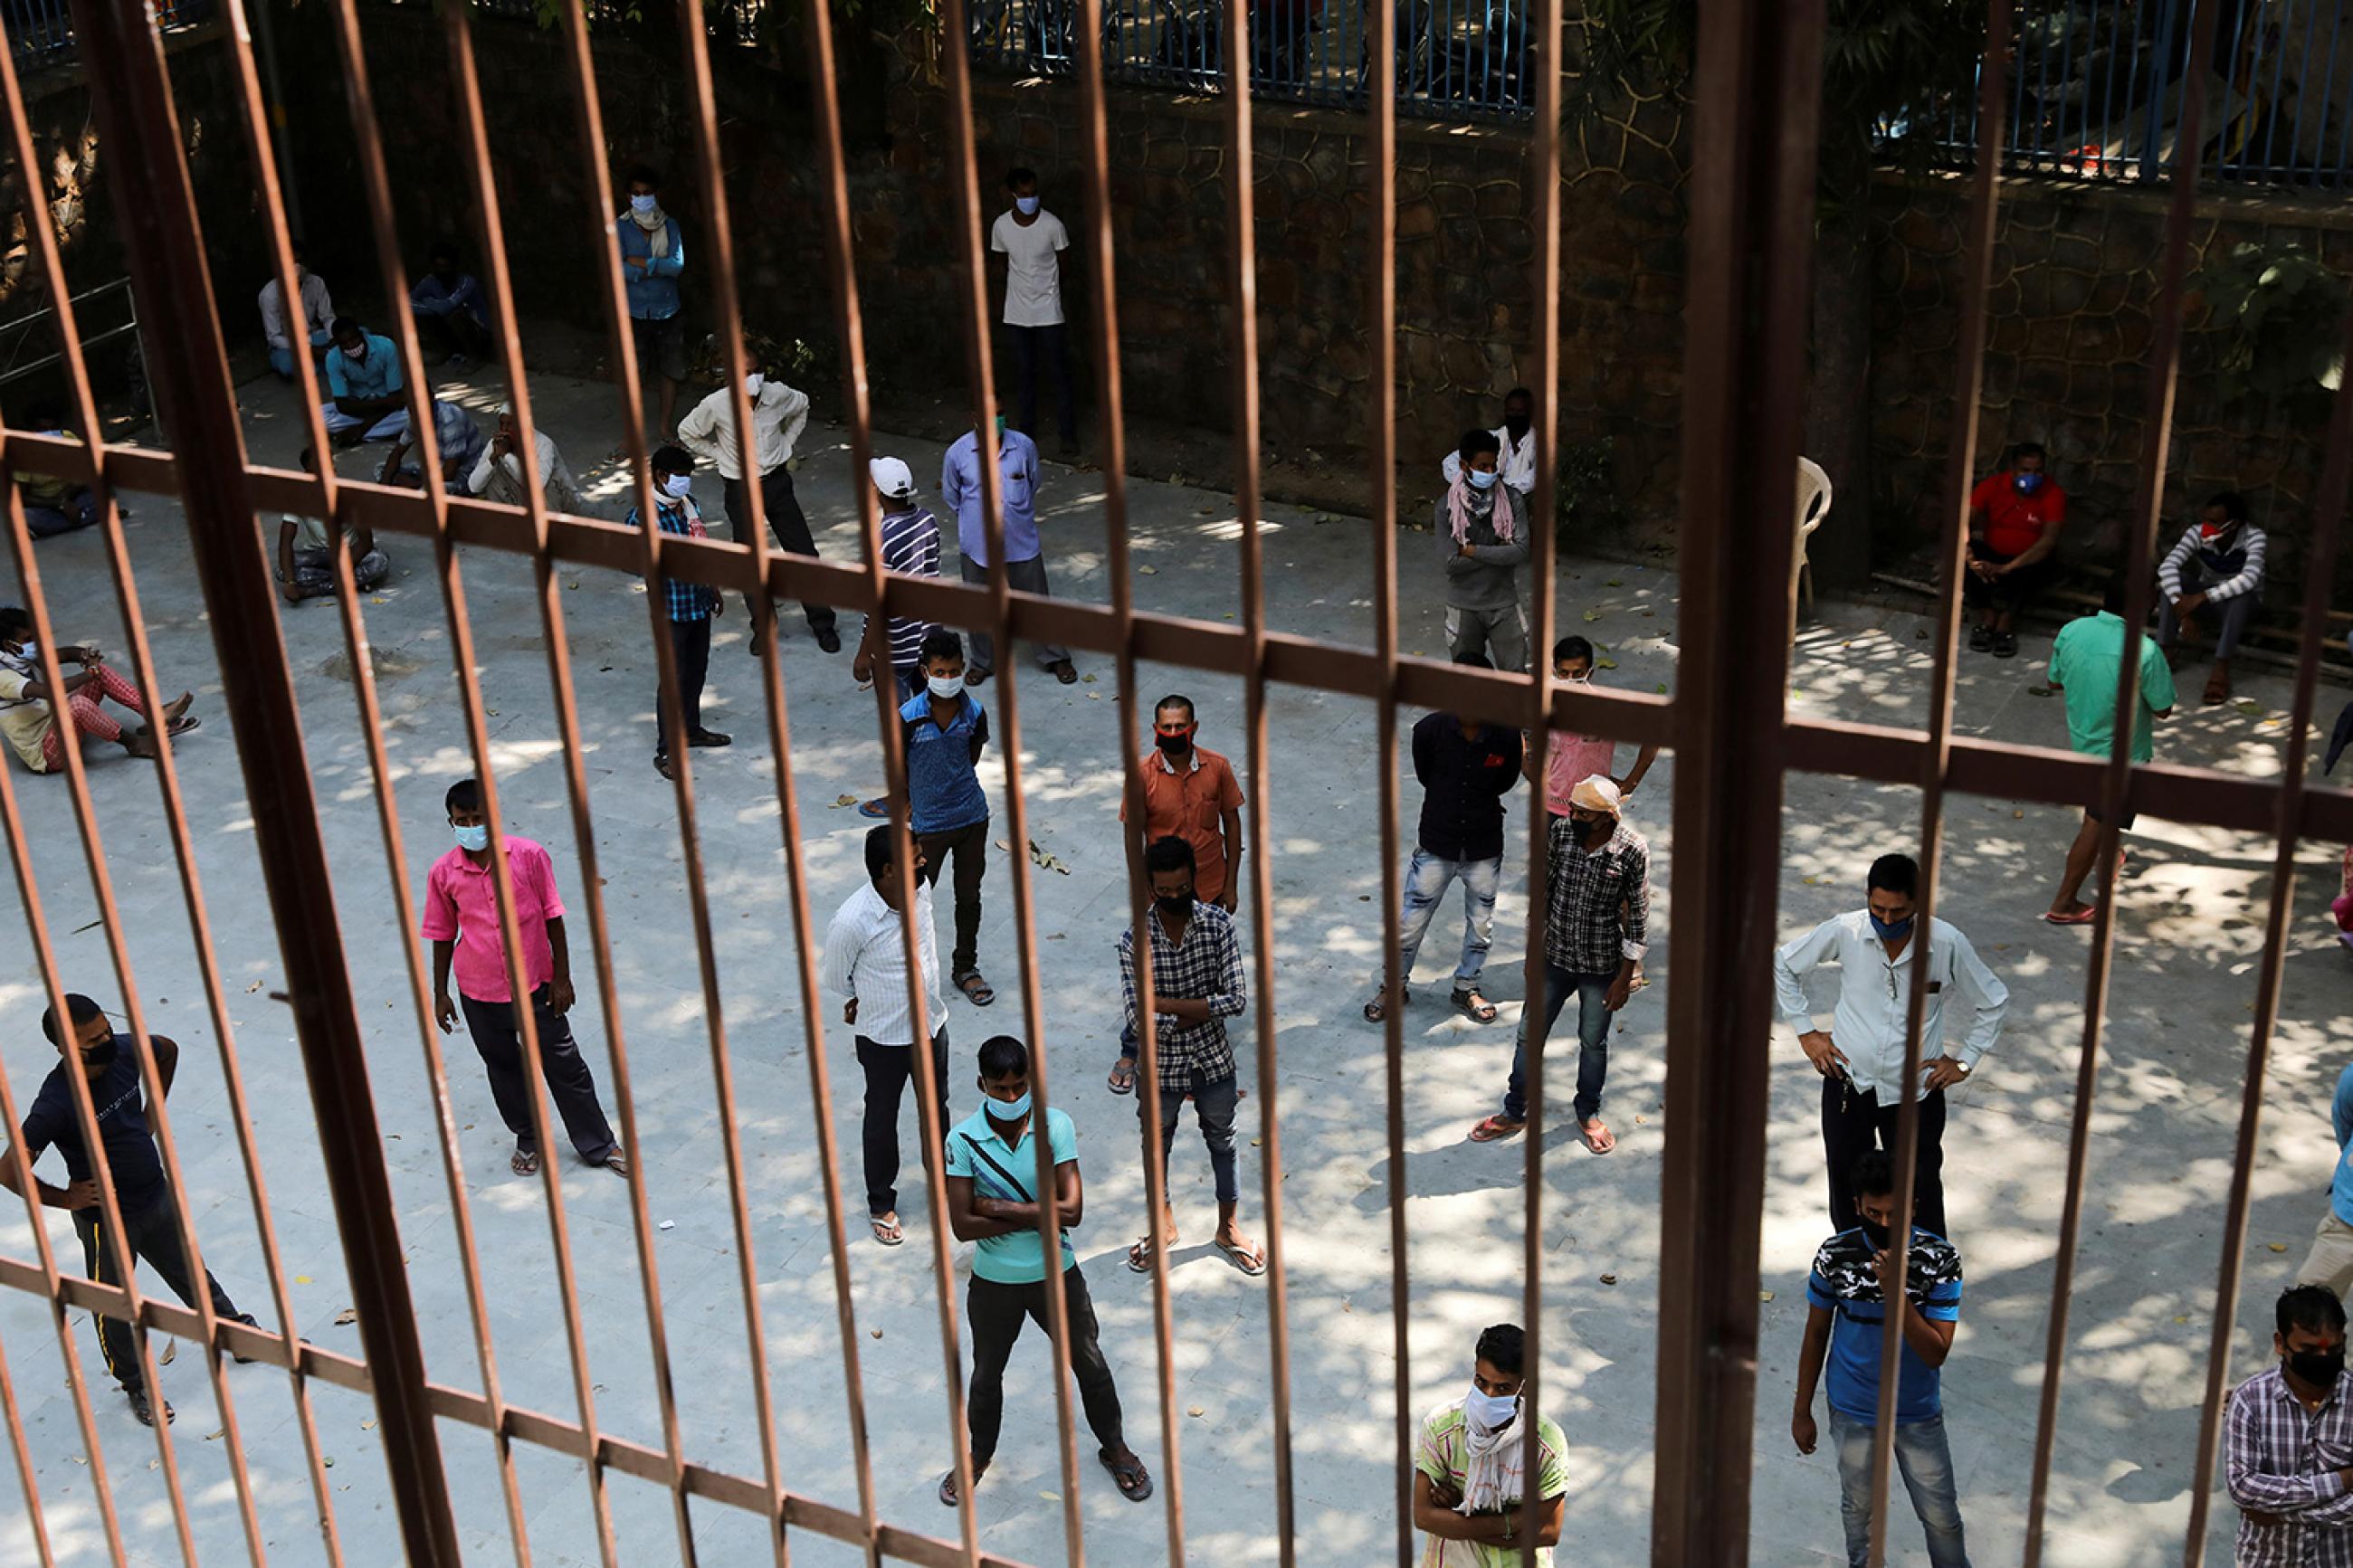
(1460, 511)
(1491, 1464)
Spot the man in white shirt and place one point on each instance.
(1517, 461)
(1861, 1056)
(306, 552)
(497, 474)
(318, 316)
(779, 414)
(866, 964)
(1032, 240)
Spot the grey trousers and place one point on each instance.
(2229, 617)
(1024, 577)
(1502, 634)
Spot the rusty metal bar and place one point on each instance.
(34, 1518)
(2117, 771)
(1970, 382)
(133, 103)
(1759, 94)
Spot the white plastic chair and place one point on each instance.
(1814, 508)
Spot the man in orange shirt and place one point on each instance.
(1189, 793)
(2015, 516)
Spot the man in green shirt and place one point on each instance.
(992, 1179)
(2086, 664)
(1470, 1465)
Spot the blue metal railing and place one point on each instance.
(2098, 89)
(39, 30)
(1455, 58)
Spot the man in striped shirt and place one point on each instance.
(2290, 1440)
(2219, 562)
(911, 547)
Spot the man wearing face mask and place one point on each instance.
(1846, 1323)
(779, 414)
(2015, 519)
(108, 1063)
(1024, 551)
(692, 607)
(461, 921)
(2217, 564)
(994, 1202)
(1032, 240)
(1470, 1475)
(653, 254)
(1597, 927)
(2289, 1440)
(363, 388)
(1861, 1056)
(1482, 538)
(1517, 461)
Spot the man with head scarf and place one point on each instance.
(1469, 1466)
(1597, 923)
(1482, 537)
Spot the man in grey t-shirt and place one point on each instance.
(1483, 536)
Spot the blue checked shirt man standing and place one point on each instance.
(692, 607)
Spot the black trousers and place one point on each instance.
(690, 641)
(785, 521)
(969, 847)
(1854, 1123)
(997, 1312)
(1049, 344)
(569, 1082)
(888, 1071)
(455, 333)
(156, 1241)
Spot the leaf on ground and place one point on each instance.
(1149, 571)
(1764, 1295)
(368, 1424)
(873, 1334)
(1609, 1280)
(1004, 846)
(301, 1279)
(328, 1460)
(2279, 1247)
(84, 1460)
(1649, 612)
(1094, 696)
(1044, 859)
(252, 988)
(2250, 708)
(1192, 1410)
(2017, 817)
(1089, 680)
(1592, 615)
(1615, 582)
(1606, 663)
(171, 1353)
(840, 801)
(348, 1315)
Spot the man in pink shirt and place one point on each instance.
(461, 921)
(1570, 758)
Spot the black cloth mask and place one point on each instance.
(2319, 1368)
(1174, 745)
(1176, 906)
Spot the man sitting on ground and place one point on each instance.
(28, 709)
(453, 316)
(363, 388)
(497, 475)
(2217, 562)
(306, 552)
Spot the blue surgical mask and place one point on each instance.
(2026, 484)
(641, 204)
(1007, 1110)
(1490, 1411)
(1891, 930)
(675, 487)
(1481, 479)
(1026, 203)
(476, 838)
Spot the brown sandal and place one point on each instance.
(525, 1163)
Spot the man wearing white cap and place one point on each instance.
(911, 546)
(1597, 923)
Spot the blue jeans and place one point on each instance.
(282, 360)
(1926, 1462)
(1592, 1040)
(1426, 881)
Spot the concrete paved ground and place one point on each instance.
(2161, 1134)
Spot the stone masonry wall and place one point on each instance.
(2067, 362)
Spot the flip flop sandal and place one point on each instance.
(617, 1162)
(524, 1165)
(1494, 1129)
(1594, 1142)
(976, 990)
(948, 1488)
(1139, 1256)
(877, 809)
(1121, 1085)
(887, 1230)
(1134, 1480)
(2083, 918)
(183, 724)
(1246, 1262)
(1374, 1011)
(1473, 1007)
(1068, 674)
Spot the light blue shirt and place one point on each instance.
(1017, 463)
(653, 290)
(377, 375)
(2340, 1187)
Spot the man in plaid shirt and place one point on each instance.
(1196, 985)
(1597, 923)
(691, 607)
(2289, 1453)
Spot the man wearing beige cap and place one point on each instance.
(1597, 923)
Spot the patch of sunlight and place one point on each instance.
(1229, 529)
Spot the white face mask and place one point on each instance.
(675, 487)
(752, 385)
(944, 685)
(1489, 1412)
(1481, 479)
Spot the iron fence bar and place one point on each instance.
(2295, 130)
(325, 492)
(1976, 284)
(133, 104)
(551, 620)
(2319, 573)
(39, 230)
(1755, 152)
(1103, 301)
(34, 1518)
(2164, 361)
(1241, 237)
(425, 432)
(2276, 36)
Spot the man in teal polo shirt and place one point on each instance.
(2085, 661)
(992, 1182)
(363, 388)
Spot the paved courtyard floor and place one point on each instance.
(2169, 1085)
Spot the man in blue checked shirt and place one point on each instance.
(692, 607)
(1846, 1323)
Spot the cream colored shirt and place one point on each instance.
(778, 415)
(501, 480)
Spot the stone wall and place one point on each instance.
(2067, 361)
(1465, 298)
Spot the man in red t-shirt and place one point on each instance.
(2015, 516)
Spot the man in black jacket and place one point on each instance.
(1465, 768)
